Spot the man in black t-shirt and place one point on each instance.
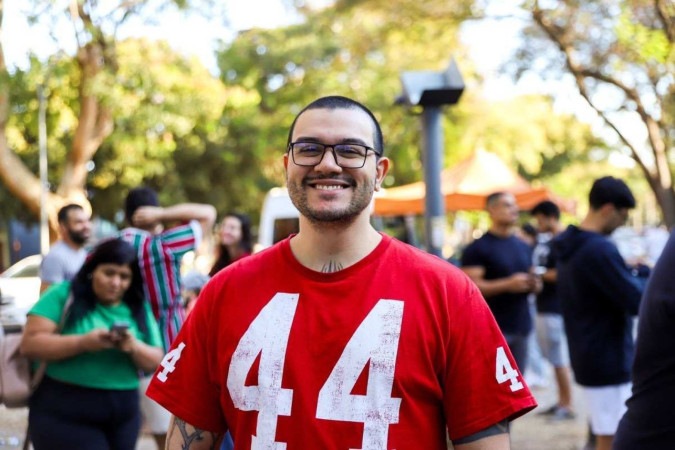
(501, 266)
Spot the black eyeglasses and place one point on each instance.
(347, 156)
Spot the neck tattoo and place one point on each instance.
(331, 266)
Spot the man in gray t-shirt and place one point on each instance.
(66, 255)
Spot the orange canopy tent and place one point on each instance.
(465, 187)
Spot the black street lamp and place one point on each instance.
(432, 90)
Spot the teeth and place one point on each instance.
(328, 187)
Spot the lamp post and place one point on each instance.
(432, 90)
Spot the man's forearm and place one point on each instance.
(190, 211)
(495, 437)
(490, 288)
(183, 436)
(497, 442)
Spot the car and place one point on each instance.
(19, 291)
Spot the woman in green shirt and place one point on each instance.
(89, 395)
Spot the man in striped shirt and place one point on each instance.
(160, 252)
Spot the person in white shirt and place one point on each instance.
(67, 255)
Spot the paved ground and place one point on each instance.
(532, 432)
(535, 432)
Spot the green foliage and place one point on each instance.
(58, 80)
(645, 44)
(621, 55)
(528, 134)
(357, 49)
(163, 104)
(195, 137)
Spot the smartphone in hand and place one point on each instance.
(119, 328)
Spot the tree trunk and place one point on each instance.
(94, 125)
(665, 197)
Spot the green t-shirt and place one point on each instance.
(104, 369)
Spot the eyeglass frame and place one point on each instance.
(289, 149)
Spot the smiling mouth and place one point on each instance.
(332, 187)
(329, 184)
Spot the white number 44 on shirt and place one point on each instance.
(374, 343)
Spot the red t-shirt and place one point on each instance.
(381, 355)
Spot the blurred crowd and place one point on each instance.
(108, 313)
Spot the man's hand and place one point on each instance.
(522, 282)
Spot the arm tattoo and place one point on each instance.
(331, 266)
(498, 428)
(190, 437)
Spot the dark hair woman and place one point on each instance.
(234, 241)
(89, 395)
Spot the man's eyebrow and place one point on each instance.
(341, 141)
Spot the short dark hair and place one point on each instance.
(138, 197)
(339, 102)
(610, 190)
(492, 198)
(547, 209)
(63, 213)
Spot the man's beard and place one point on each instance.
(362, 196)
(78, 237)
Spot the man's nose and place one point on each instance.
(328, 162)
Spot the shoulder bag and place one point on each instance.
(16, 382)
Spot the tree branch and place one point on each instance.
(666, 17)
(580, 73)
(653, 130)
(20, 182)
(95, 122)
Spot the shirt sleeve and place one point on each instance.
(471, 255)
(482, 383)
(197, 230)
(615, 279)
(183, 238)
(51, 302)
(51, 270)
(182, 384)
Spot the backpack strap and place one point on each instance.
(42, 368)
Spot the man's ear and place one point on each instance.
(382, 168)
(607, 209)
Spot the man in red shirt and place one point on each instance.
(340, 337)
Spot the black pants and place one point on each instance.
(65, 416)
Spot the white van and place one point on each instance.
(278, 218)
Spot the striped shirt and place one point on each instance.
(159, 258)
